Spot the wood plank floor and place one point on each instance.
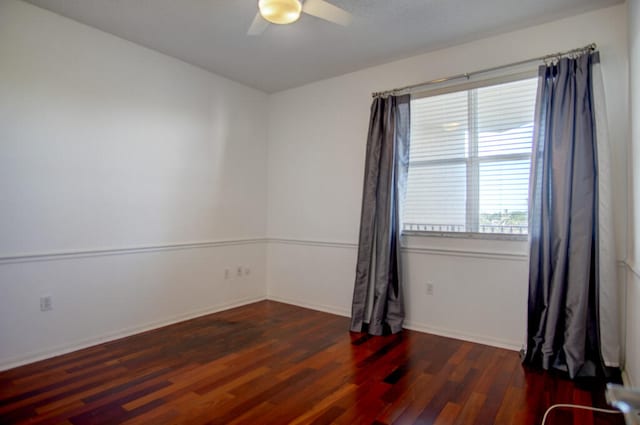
(272, 363)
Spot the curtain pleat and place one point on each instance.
(563, 329)
(378, 287)
(607, 268)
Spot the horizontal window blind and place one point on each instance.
(469, 160)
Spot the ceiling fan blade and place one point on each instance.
(325, 10)
(258, 25)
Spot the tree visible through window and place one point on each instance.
(469, 160)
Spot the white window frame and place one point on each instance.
(472, 213)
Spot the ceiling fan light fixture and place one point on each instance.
(280, 11)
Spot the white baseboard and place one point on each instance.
(68, 348)
(311, 306)
(478, 339)
(79, 345)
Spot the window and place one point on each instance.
(469, 160)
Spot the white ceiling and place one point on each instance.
(212, 33)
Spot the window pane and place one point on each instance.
(436, 198)
(469, 160)
(504, 189)
(439, 127)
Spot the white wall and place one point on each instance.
(317, 139)
(632, 354)
(107, 146)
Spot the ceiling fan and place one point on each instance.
(284, 12)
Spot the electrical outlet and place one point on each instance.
(227, 274)
(247, 271)
(429, 288)
(46, 304)
(239, 271)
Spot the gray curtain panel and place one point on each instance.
(563, 329)
(378, 286)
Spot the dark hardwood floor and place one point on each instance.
(272, 363)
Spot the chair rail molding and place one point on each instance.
(100, 252)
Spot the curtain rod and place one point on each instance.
(467, 75)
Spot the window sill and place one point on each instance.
(466, 235)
